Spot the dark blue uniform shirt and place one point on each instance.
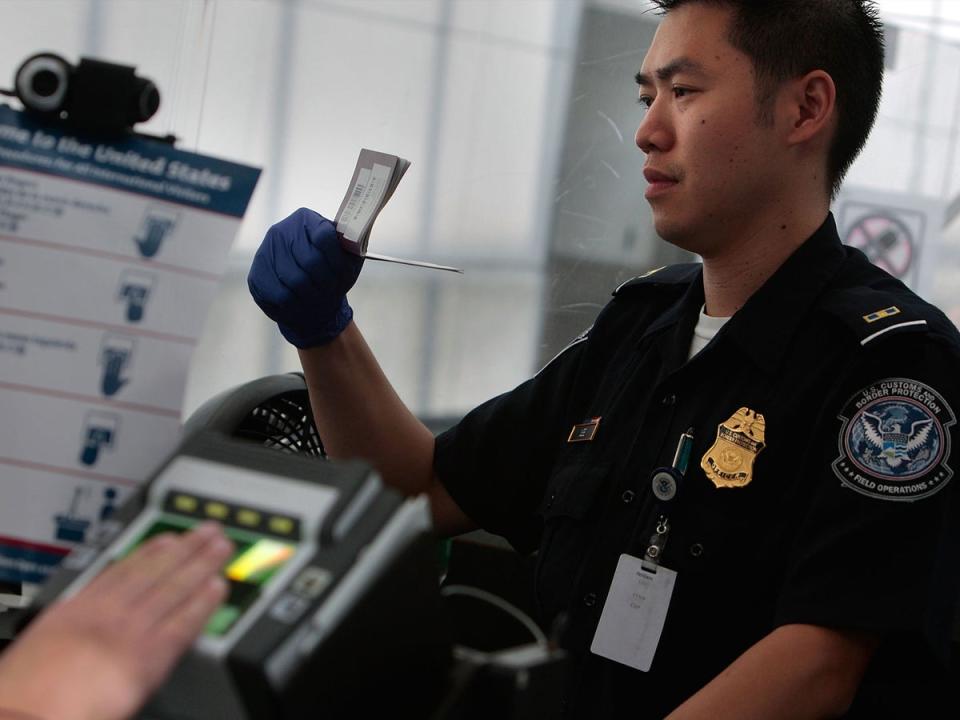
(848, 517)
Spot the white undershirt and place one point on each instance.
(703, 333)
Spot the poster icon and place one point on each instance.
(99, 431)
(107, 527)
(77, 522)
(70, 526)
(109, 504)
(134, 290)
(116, 356)
(157, 225)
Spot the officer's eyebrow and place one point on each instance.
(681, 64)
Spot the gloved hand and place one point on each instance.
(300, 277)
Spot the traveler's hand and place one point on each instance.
(101, 653)
(300, 277)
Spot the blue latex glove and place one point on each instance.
(300, 277)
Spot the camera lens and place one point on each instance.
(45, 83)
(41, 82)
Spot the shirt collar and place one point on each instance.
(689, 302)
(764, 326)
(680, 317)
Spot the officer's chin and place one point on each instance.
(681, 235)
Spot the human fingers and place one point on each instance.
(309, 244)
(279, 285)
(308, 259)
(271, 279)
(202, 556)
(170, 638)
(131, 575)
(135, 577)
(344, 267)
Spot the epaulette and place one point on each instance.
(682, 274)
(872, 313)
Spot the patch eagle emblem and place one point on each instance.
(894, 442)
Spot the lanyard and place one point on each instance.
(666, 482)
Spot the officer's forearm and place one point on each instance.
(797, 671)
(359, 415)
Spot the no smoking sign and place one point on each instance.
(893, 238)
(886, 241)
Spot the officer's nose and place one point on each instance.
(654, 132)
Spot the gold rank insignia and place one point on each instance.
(881, 314)
(729, 462)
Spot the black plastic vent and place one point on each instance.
(285, 423)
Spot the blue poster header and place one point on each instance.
(138, 165)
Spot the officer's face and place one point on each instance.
(709, 164)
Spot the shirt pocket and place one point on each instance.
(569, 511)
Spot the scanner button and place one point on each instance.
(311, 582)
(288, 608)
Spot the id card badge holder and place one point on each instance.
(634, 614)
(635, 610)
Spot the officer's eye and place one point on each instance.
(645, 100)
(679, 92)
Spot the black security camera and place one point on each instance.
(94, 95)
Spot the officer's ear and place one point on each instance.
(807, 108)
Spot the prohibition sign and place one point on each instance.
(886, 242)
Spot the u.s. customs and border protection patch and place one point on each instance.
(729, 461)
(894, 442)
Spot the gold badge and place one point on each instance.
(729, 462)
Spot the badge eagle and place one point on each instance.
(729, 461)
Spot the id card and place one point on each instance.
(634, 614)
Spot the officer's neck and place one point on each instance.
(745, 261)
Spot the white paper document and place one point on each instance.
(375, 177)
(110, 255)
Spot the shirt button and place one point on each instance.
(627, 496)
(670, 399)
(590, 599)
(696, 549)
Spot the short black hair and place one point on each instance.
(788, 38)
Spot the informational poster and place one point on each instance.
(898, 232)
(110, 255)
